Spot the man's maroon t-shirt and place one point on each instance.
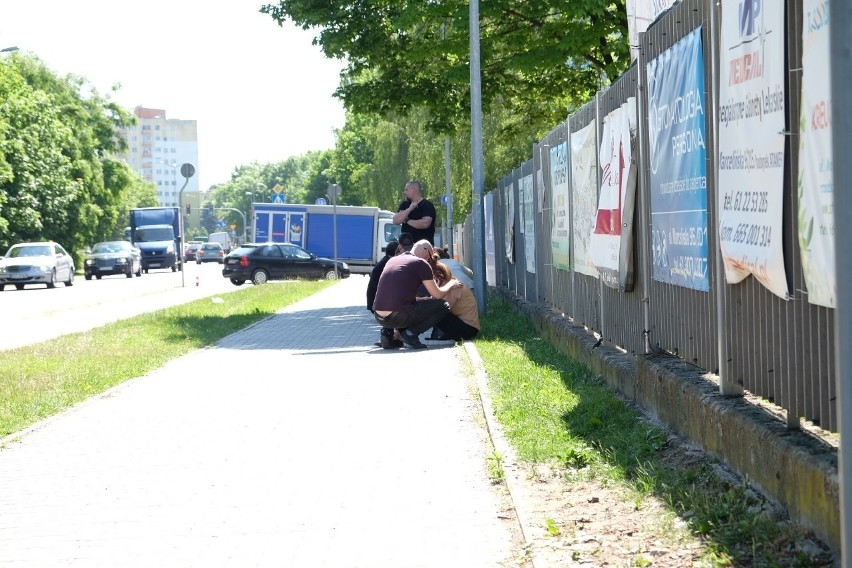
(400, 281)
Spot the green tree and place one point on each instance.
(540, 56)
(58, 178)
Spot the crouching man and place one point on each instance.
(396, 304)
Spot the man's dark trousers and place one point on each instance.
(422, 315)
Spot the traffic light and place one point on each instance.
(188, 208)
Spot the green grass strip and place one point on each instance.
(555, 410)
(41, 380)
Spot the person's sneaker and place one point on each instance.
(387, 341)
(437, 335)
(411, 339)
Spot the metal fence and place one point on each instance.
(782, 351)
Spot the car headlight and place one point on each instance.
(170, 249)
(344, 266)
(45, 268)
(121, 260)
(89, 262)
(2, 270)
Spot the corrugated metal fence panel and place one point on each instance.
(543, 227)
(518, 236)
(781, 351)
(500, 261)
(784, 351)
(530, 278)
(684, 321)
(623, 310)
(586, 300)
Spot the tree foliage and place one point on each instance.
(59, 179)
(539, 57)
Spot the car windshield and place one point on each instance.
(102, 248)
(154, 234)
(33, 250)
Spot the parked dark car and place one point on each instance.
(113, 257)
(191, 251)
(260, 262)
(210, 252)
(36, 263)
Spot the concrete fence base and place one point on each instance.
(792, 467)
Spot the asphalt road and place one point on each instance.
(36, 313)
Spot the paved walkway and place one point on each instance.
(294, 442)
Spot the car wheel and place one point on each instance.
(139, 271)
(145, 271)
(331, 274)
(87, 276)
(259, 277)
(52, 283)
(174, 268)
(98, 276)
(19, 286)
(2, 287)
(237, 281)
(70, 281)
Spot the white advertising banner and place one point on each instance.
(816, 178)
(751, 143)
(640, 15)
(559, 227)
(528, 193)
(584, 187)
(616, 160)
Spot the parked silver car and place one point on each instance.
(36, 263)
(113, 257)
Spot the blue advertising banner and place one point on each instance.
(678, 160)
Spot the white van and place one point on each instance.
(221, 238)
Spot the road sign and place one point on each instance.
(321, 201)
(334, 192)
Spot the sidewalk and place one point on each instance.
(295, 442)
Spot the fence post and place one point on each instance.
(840, 50)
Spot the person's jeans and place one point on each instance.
(422, 315)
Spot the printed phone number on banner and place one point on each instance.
(747, 201)
(750, 234)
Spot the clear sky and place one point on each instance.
(258, 91)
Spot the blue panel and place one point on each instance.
(355, 236)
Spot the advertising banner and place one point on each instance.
(528, 193)
(640, 15)
(751, 143)
(559, 226)
(618, 186)
(678, 162)
(816, 178)
(584, 187)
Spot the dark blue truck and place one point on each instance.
(158, 233)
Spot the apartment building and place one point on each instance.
(157, 147)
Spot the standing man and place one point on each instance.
(416, 214)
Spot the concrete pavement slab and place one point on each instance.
(294, 442)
